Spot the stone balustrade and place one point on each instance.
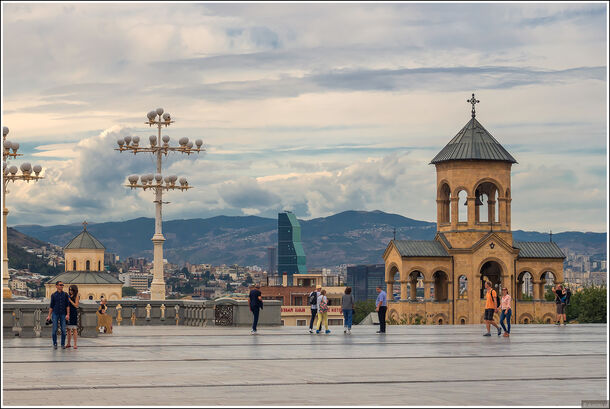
(27, 318)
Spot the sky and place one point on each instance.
(314, 108)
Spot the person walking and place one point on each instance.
(313, 304)
(347, 306)
(59, 313)
(506, 313)
(381, 308)
(490, 308)
(322, 312)
(256, 304)
(74, 299)
(560, 299)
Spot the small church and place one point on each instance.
(84, 260)
(473, 243)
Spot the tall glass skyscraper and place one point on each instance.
(290, 253)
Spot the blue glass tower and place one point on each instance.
(290, 253)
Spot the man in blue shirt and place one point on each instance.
(60, 313)
(256, 304)
(381, 308)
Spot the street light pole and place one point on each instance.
(9, 174)
(159, 146)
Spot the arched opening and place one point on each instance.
(416, 279)
(396, 293)
(547, 321)
(486, 211)
(526, 320)
(87, 265)
(99, 265)
(73, 265)
(462, 206)
(463, 321)
(547, 283)
(440, 321)
(525, 286)
(491, 271)
(445, 204)
(462, 288)
(497, 212)
(440, 286)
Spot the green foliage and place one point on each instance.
(113, 268)
(20, 259)
(549, 295)
(129, 291)
(588, 305)
(525, 297)
(363, 308)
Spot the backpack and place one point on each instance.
(497, 298)
(313, 298)
(568, 295)
(323, 306)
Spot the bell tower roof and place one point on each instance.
(473, 142)
(84, 241)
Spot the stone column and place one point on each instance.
(439, 212)
(427, 284)
(449, 292)
(454, 212)
(403, 290)
(413, 294)
(491, 211)
(536, 288)
(471, 210)
(390, 291)
(508, 213)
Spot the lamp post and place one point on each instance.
(159, 147)
(9, 174)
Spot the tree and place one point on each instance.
(363, 308)
(549, 295)
(113, 268)
(588, 305)
(129, 291)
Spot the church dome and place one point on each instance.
(84, 241)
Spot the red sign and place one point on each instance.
(307, 309)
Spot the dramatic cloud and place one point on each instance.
(317, 108)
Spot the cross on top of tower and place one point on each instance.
(85, 225)
(473, 101)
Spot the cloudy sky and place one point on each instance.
(317, 108)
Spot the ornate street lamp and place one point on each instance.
(9, 174)
(159, 146)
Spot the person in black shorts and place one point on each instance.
(490, 309)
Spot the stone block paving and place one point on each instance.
(408, 366)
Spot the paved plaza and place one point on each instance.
(410, 365)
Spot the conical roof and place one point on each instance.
(84, 241)
(473, 142)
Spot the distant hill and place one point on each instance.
(351, 237)
(20, 259)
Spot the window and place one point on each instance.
(73, 265)
(301, 323)
(99, 265)
(335, 322)
(88, 265)
(282, 322)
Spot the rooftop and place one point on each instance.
(85, 277)
(410, 365)
(538, 249)
(84, 240)
(420, 248)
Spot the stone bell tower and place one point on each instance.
(473, 173)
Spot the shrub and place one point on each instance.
(588, 305)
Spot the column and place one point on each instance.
(427, 284)
(491, 211)
(471, 210)
(403, 290)
(6, 291)
(536, 288)
(413, 294)
(508, 213)
(454, 212)
(439, 212)
(502, 211)
(449, 292)
(390, 291)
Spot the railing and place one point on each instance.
(26, 319)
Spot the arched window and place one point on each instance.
(99, 265)
(416, 279)
(73, 265)
(462, 206)
(440, 286)
(88, 265)
(396, 290)
(486, 209)
(463, 288)
(525, 286)
(445, 204)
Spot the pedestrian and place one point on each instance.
(322, 312)
(347, 306)
(74, 299)
(313, 304)
(491, 306)
(566, 304)
(381, 308)
(58, 312)
(506, 313)
(256, 304)
(560, 299)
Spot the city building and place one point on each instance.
(139, 280)
(364, 280)
(271, 260)
(473, 176)
(295, 310)
(291, 256)
(84, 256)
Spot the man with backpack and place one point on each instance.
(313, 304)
(492, 303)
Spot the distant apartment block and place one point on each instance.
(364, 279)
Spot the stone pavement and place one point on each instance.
(410, 365)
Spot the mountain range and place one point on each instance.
(350, 237)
